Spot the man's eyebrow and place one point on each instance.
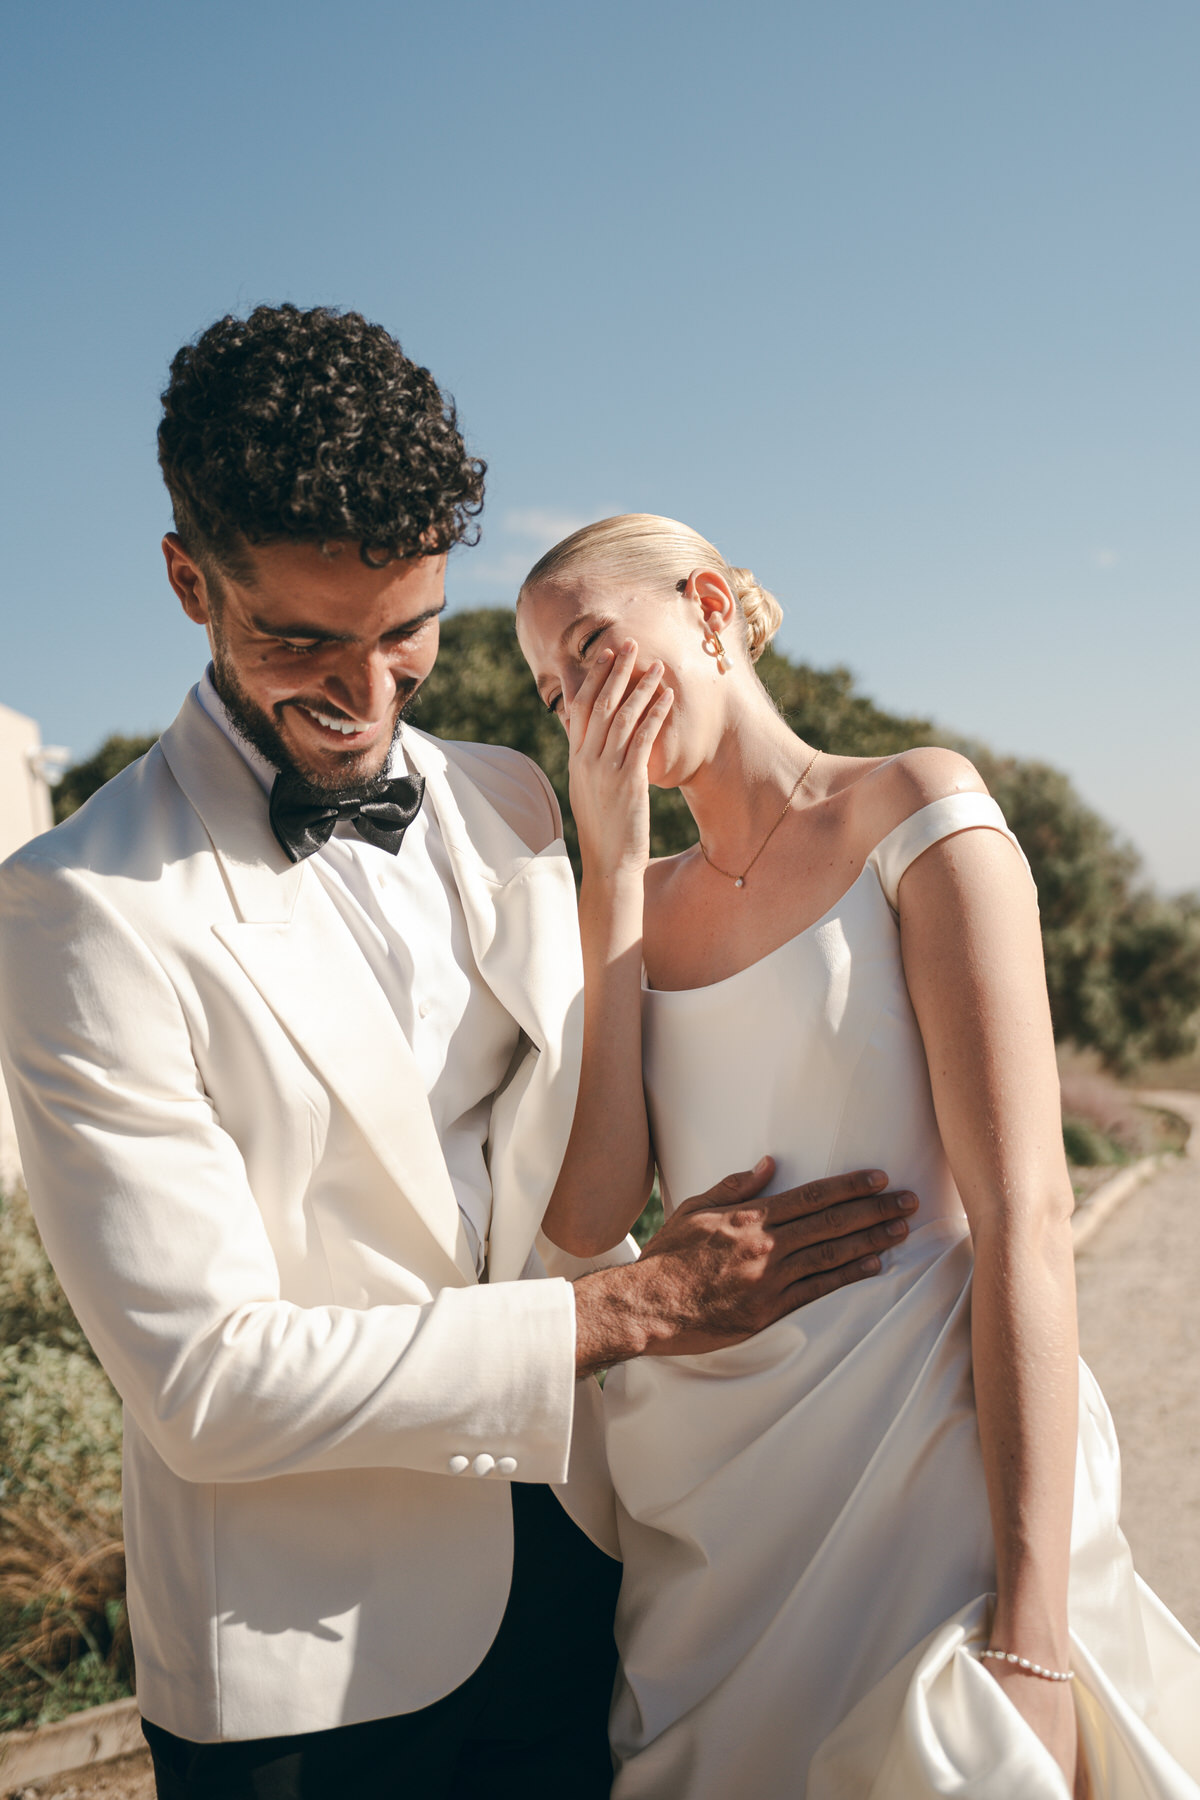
(317, 634)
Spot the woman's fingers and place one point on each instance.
(610, 710)
(580, 712)
(603, 689)
(638, 719)
(646, 735)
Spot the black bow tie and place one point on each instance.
(303, 816)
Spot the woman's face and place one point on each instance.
(562, 627)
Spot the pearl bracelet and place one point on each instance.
(1026, 1667)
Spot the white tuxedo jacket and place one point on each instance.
(233, 1164)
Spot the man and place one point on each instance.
(291, 1100)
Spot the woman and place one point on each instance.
(844, 970)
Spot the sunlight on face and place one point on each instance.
(562, 627)
(318, 655)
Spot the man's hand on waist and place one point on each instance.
(733, 1260)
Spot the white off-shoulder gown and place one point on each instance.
(808, 1551)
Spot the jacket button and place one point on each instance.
(459, 1464)
(484, 1464)
(507, 1465)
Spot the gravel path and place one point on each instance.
(1139, 1327)
(127, 1778)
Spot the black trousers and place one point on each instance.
(531, 1722)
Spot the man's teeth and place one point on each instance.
(347, 727)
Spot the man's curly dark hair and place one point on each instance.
(309, 426)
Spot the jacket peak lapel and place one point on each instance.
(293, 946)
(262, 880)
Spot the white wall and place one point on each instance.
(24, 812)
(24, 796)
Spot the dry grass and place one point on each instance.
(62, 1584)
(64, 1639)
(64, 1634)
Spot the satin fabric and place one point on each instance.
(303, 817)
(803, 1517)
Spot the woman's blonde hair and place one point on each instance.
(644, 544)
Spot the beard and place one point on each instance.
(262, 731)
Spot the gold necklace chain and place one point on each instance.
(740, 880)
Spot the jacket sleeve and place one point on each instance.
(147, 1213)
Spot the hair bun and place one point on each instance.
(760, 609)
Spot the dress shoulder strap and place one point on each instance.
(916, 834)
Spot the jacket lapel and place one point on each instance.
(291, 943)
(521, 915)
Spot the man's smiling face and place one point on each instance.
(317, 655)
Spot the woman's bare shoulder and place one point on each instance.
(882, 792)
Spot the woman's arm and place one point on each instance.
(606, 1173)
(973, 961)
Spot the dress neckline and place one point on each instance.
(907, 824)
(709, 987)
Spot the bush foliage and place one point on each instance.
(81, 780)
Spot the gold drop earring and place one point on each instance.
(715, 648)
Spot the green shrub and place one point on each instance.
(60, 1445)
(651, 1219)
(1087, 1147)
(82, 779)
(33, 1308)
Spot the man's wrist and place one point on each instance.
(613, 1322)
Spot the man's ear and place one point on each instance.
(188, 580)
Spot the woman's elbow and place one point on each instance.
(582, 1242)
(1037, 1216)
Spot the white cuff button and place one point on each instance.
(484, 1464)
(507, 1465)
(459, 1465)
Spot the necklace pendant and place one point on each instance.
(740, 882)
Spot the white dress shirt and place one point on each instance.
(406, 917)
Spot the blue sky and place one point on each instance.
(897, 304)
